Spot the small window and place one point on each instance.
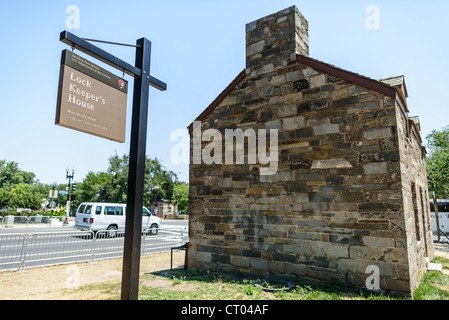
(98, 210)
(443, 207)
(118, 211)
(110, 211)
(145, 212)
(415, 209)
(88, 209)
(81, 208)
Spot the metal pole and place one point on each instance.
(141, 73)
(136, 179)
(437, 218)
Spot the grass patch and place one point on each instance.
(202, 285)
(434, 285)
(179, 284)
(444, 262)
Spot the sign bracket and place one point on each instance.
(104, 56)
(137, 153)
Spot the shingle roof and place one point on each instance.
(398, 83)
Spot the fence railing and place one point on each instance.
(18, 251)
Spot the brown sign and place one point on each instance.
(91, 99)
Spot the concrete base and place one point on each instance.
(435, 267)
(55, 223)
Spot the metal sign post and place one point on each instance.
(136, 178)
(141, 74)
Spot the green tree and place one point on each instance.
(158, 178)
(116, 190)
(181, 196)
(115, 181)
(18, 189)
(89, 189)
(23, 196)
(10, 174)
(437, 162)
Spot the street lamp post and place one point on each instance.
(154, 191)
(52, 204)
(69, 177)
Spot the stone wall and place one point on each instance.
(338, 202)
(416, 199)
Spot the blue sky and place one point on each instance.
(198, 47)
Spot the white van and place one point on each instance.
(443, 215)
(98, 216)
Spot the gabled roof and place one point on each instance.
(398, 83)
(219, 99)
(387, 87)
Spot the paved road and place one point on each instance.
(32, 228)
(45, 245)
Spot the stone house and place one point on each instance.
(162, 207)
(349, 194)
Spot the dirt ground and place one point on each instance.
(62, 282)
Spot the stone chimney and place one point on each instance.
(274, 38)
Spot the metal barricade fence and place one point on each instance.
(11, 250)
(47, 248)
(161, 240)
(18, 251)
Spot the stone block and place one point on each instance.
(278, 176)
(255, 48)
(293, 76)
(271, 125)
(309, 72)
(225, 182)
(378, 242)
(293, 98)
(326, 129)
(378, 133)
(300, 197)
(375, 168)
(296, 269)
(320, 197)
(259, 264)
(277, 256)
(317, 81)
(345, 102)
(292, 123)
(330, 250)
(287, 110)
(331, 164)
(240, 261)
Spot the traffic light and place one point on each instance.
(72, 197)
(155, 204)
(74, 187)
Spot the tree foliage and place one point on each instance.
(181, 196)
(159, 182)
(18, 189)
(10, 174)
(437, 162)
